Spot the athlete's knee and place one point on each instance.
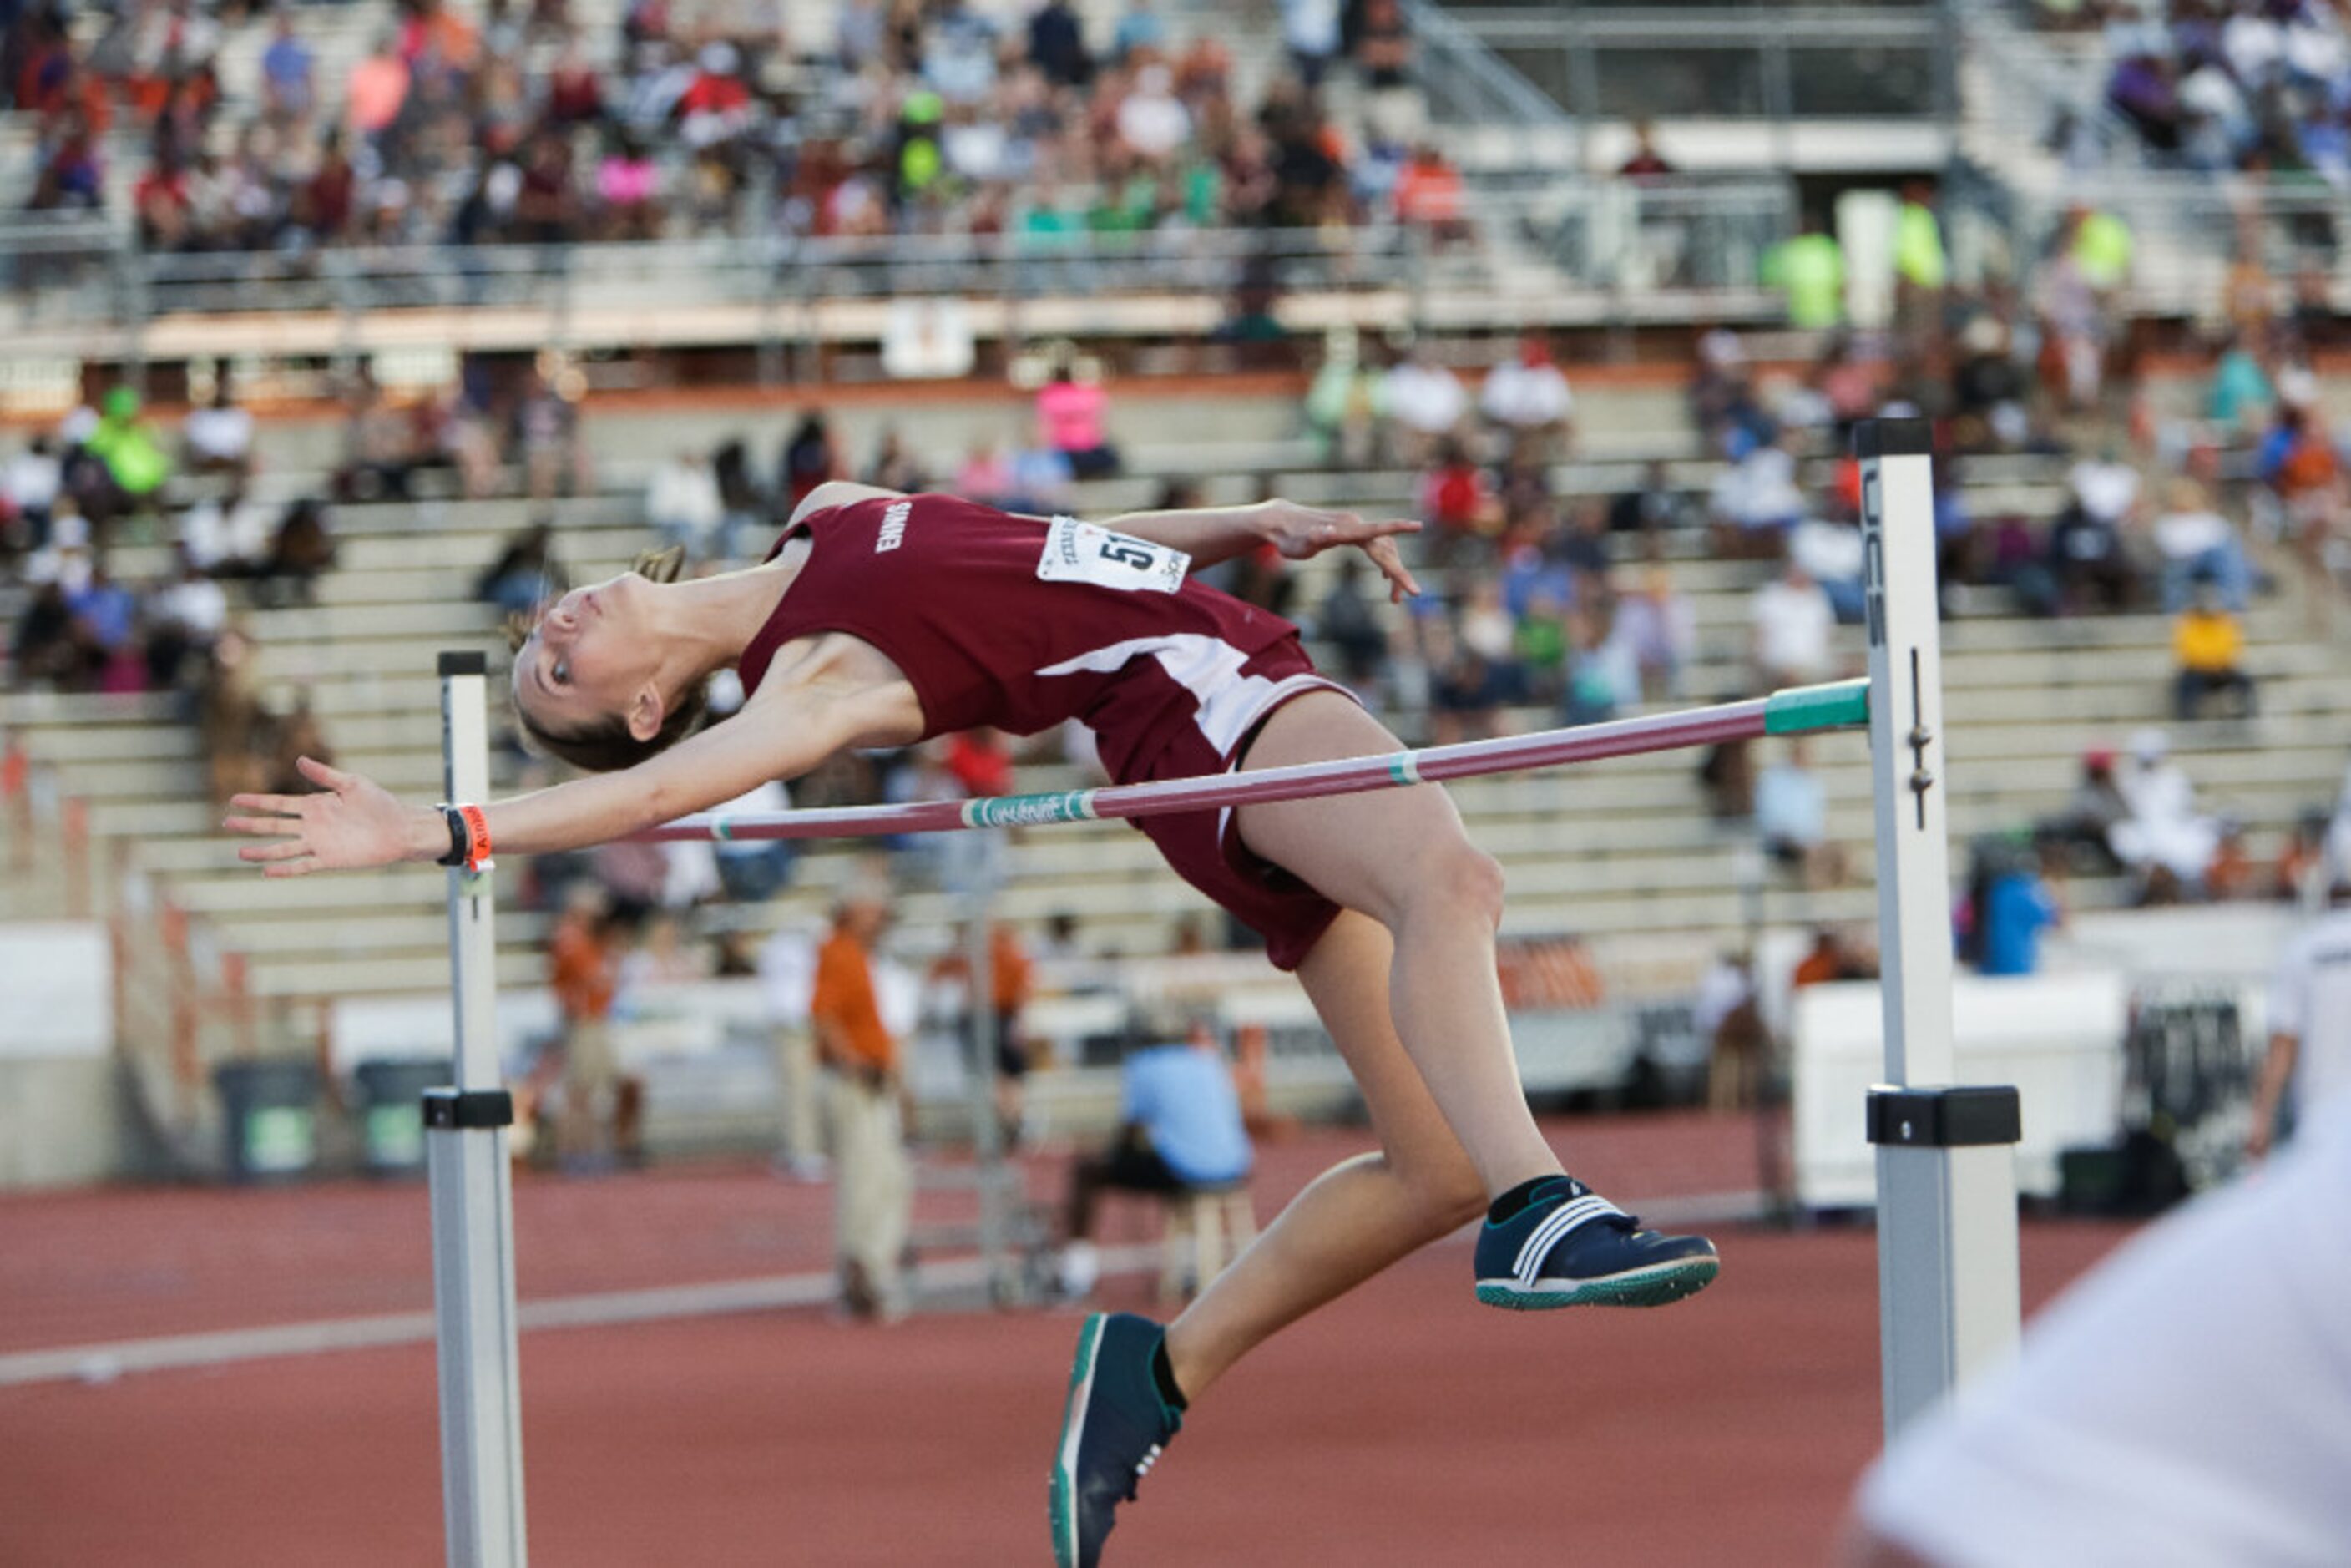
(1446, 1193)
(1462, 881)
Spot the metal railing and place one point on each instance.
(1724, 62)
(1708, 232)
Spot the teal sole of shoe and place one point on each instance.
(1065, 1480)
(1645, 1288)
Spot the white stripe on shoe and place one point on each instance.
(1555, 1226)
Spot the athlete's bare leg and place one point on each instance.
(1361, 1215)
(1402, 857)
(1408, 990)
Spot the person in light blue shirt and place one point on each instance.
(1180, 1129)
(1792, 810)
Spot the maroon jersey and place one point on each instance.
(1021, 624)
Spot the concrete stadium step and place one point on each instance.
(75, 745)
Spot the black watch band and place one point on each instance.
(457, 838)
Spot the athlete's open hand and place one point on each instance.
(351, 823)
(1300, 533)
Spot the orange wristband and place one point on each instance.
(477, 838)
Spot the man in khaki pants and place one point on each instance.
(873, 1190)
(788, 981)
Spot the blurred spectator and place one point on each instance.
(980, 762)
(984, 475)
(874, 1190)
(1541, 646)
(45, 649)
(1920, 270)
(1833, 957)
(231, 722)
(1646, 163)
(218, 437)
(227, 535)
(1179, 1129)
(753, 871)
(1310, 33)
(1791, 619)
(1431, 196)
(787, 984)
(2240, 398)
(1383, 50)
(1809, 272)
(1792, 818)
(1070, 420)
(1040, 481)
(2208, 647)
(1989, 390)
(2300, 875)
(2017, 902)
(379, 445)
(1832, 555)
(895, 465)
(132, 451)
(549, 441)
(1344, 403)
(1602, 678)
(685, 507)
(584, 978)
(300, 553)
(1457, 505)
(1466, 694)
(1727, 774)
(527, 573)
(809, 459)
(2087, 562)
(2086, 826)
(1658, 629)
(1727, 1016)
(1057, 43)
(1528, 401)
(1425, 400)
(297, 735)
(1756, 501)
(2298, 462)
(29, 487)
(1348, 621)
(1654, 507)
(2196, 543)
(186, 617)
(2166, 840)
(2231, 875)
(2077, 296)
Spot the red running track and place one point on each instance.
(1405, 1425)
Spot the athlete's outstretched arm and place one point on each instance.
(1213, 534)
(353, 823)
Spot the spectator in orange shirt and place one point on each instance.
(874, 1192)
(1428, 194)
(582, 973)
(1011, 979)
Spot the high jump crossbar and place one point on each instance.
(1796, 711)
(1947, 1278)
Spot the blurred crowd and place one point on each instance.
(2256, 87)
(512, 122)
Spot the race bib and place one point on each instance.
(1081, 552)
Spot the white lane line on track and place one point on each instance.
(104, 1362)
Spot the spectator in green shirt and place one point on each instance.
(1809, 271)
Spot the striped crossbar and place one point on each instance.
(1841, 705)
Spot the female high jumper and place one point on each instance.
(880, 620)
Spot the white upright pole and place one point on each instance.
(473, 1200)
(1947, 1259)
